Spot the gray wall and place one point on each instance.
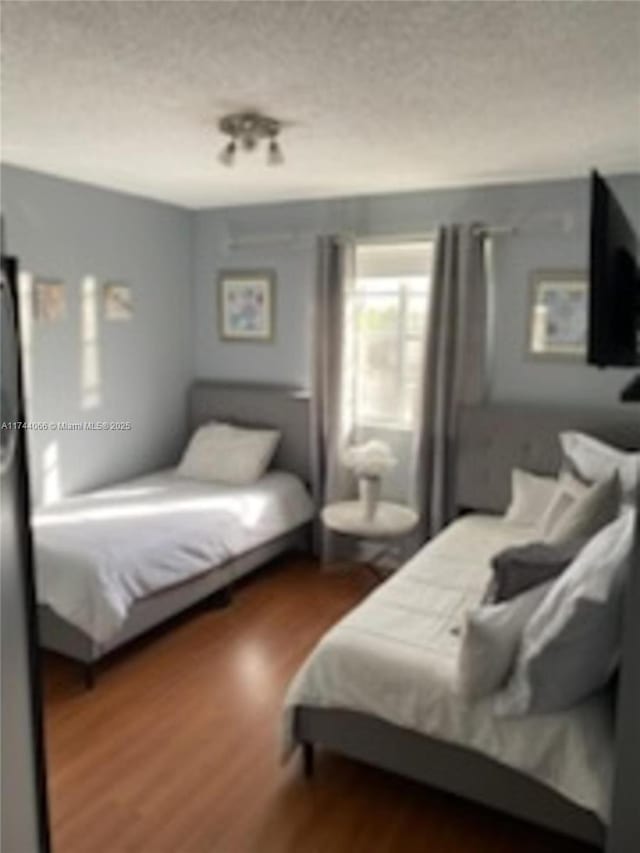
(552, 222)
(67, 231)
(171, 257)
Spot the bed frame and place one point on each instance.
(271, 406)
(493, 439)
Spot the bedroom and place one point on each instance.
(426, 187)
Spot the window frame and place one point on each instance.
(400, 290)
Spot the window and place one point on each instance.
(386, 317)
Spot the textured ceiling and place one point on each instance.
(382, 96)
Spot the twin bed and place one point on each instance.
(394, 660)
(380, 685)
(117, 562)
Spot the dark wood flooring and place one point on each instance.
(176, 750)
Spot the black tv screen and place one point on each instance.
(614, 293)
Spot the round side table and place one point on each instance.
(390, 523)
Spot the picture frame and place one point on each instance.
(246, 305)
(558, 315)
(117, 300)
(49, 300)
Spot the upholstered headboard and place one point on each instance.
(495, 438)
(253, 405)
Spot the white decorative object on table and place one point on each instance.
(369, 489)
(369, 462)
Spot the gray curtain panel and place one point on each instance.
(455, 368)
(329, 422)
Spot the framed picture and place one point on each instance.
(118, 301)
(246, 301)
(558, 310)
(49, 301)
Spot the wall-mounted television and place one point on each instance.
(614, 286)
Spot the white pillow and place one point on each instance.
(571, 645)
(530, 497)
(227, 454)
(597, 507)
(568, 490)
(594, 461)
(490, 641)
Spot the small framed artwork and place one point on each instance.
(49, 301)
(246, 301)
(118, 301)
(558, 310)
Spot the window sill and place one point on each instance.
(384, 427)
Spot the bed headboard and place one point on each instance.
(261, 406)
(494, 438)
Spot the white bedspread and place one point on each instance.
(96, 554)
(395, 656)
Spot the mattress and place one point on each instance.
(98, 553)
(395, 657)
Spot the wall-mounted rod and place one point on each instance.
(497, 230)
(258, 241)
(424, 236)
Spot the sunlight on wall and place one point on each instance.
(51, 490)
(25, 304)
(91, 390)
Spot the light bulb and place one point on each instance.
(274, 156)
(228, 154)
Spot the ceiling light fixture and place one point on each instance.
(247, 130)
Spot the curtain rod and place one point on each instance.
(497, 230)
(261, 240)
(265, 240)
(425, 236)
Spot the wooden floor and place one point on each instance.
(176, 750)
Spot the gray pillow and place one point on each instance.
(515, 570)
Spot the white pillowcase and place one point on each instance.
(571, 645)
(227, 454)
(568, 490)
(530, 497)
(490, 641)
(594, 461)
(586, 515)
